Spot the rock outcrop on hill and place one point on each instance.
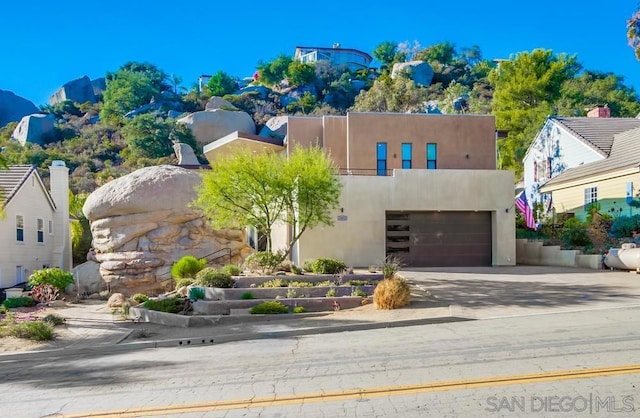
(34, 128)
(78, 91)
(142, 223)
(13, 107)
(208, 126)
(420, 72)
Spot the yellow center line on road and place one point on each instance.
(364, 393)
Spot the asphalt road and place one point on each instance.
(566, 364)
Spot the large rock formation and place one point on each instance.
(420, 72)
(208, 126)
(219, 103)
(34, 129)
(276, 127)
(78, 91)
(13, 107)
(142, 223)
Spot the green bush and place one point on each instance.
(269, 307)
(187, 267)
(211, 277)
(296, 270)
(574, 234)
(3, 310)
(231, 270)
(299, 309)
(169, 305)
(300, 284)
(140, 297)
(263, 261)
(623, 226)
(32, 330)
(278, 282)
(19, 302)
(53, 319)
(327, 266)
(196, 293)
(247, 296)
(184, 281)
(55, 277)
(307, 266)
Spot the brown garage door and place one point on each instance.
(439, 239)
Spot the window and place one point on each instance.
(50, 227)
(590, 196)
(432, 156)
(40, 224)
(381, 155)
(406, 155)
(19, 228)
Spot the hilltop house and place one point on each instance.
(35, 229)
(567, 142)
(421, 187)
(352, 58)
(612, 182)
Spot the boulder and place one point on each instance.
(13, 107)
(276, 127)
(219, 103)
(34, 128)
(116, 300)
(87, 279)
(261, 91)
(99, 86)
(143, 222)
(208, 126)
(79, 91)
(296, 94)
(419, 71)
(185, 154)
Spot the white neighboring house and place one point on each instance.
(568, 142)
(35, 231)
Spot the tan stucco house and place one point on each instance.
(421, 187)
(34, 231)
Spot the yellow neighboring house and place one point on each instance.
(612, 182)
(34, 233)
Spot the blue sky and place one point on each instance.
(47, 43)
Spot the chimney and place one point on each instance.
(599, 112)
(59, 179)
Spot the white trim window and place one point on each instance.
(590, 196)
(40, 230)
(19, 228)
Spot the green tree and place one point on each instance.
(452, 95)
(220, 84)
(525, 90)
(300, 73)
(149, 136)
(442, 53)
(271, 73)
(80, 228)
(126, 91)
(158, 78)
(388, 53)
(258, 190)
(391, 95)
(305, 104)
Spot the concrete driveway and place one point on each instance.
(485, 292)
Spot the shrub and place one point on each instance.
(19, 302)
(169, 305)
(390, 266)
(196, 293)
(275, 283)
(32, 330)
(187, 267)
(296, 270)
(231, 270)
(3, 310)
(300, 284)
(184, 281)
(263, 261)
(360, 282)
(55, 277)
(624, 225)
(307, 266)
(53, 319)
(211, 277)
(140, 297)
(574, 233)
(247, 296)
(327, 266)
(392, 293)
(357, 291)
(44, 293)
(269, 307)
(331, 293)
(299, 309)
(291, 293)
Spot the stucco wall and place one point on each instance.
(359, 238)
(304, 131)
(30, 202)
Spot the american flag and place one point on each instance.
(523, 206)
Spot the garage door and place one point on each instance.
(439, 239)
